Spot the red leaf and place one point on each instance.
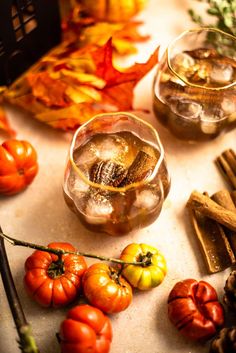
(102, 58)
(119, 85)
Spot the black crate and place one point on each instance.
(28, 29)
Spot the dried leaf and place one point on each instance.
(82, 78)
(83, 94)
(65, 91)
(4, 125)
(69, 118)
(102, 58)
(119, 88)
(51, 92)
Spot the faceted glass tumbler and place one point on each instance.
(116, 177)
(194, 89)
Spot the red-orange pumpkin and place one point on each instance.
(18, 166)
(113, 10)
(52, 281)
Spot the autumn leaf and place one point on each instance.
(102, 58)
(119, 85)
(4, 125)
(77, 79)
(69, 118)
(66, 91)
(50, 92)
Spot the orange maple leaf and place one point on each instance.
(119, 85)
(102, 58)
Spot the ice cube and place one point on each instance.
(98, 209)
(228, 106)
(221, 73)
(147, 200)
(210, 121)
(186, 108)
(113, 147)
(86, 155)
(182, 61)
(76, 185)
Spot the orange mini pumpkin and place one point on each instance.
(113, 10)
(18, 166)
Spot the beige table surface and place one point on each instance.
(40, 215)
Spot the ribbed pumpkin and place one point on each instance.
(18, 166)
(113, 10)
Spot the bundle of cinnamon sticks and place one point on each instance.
(214, 218)
(227, 165)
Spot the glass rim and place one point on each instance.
(197, 30)
(108, 187)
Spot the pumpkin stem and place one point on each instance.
(146, 259)
(21, 171)
(56, 268)
(115, 274)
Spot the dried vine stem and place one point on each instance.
(60, 252)
(26, 340)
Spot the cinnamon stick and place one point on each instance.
(213, 242)
(224, 199)
(227, 165)
(142, 166)
(233, 196)
(209, 208)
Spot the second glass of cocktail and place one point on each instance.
(195, 85)
(116, 177)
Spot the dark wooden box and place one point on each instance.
(28, 29)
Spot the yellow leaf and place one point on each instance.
(84, 78)
(124, 47)
(82, 94)
(91, 92)
(68, 118)
(99, 33)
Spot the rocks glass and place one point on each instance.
(195, 85)
(116, 177)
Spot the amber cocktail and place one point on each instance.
(116, 177)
